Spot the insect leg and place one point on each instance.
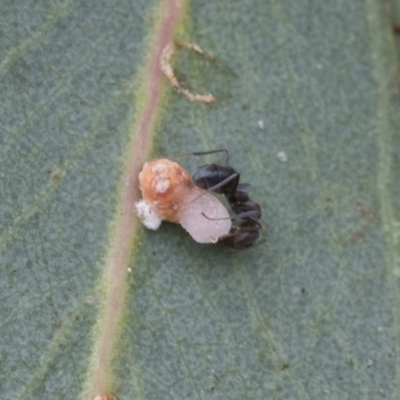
(203, 153)
(223, 183)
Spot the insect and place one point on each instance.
(242, 237)
(216, 177)
(245, 208)
(224, 179)
(170, 194)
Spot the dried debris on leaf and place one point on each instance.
(166, 68)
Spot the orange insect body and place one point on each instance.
(165, 186)
(170, 194)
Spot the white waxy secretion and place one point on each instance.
(161, 182)
(149, 217)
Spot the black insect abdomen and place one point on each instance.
(241, 238)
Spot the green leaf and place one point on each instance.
(91, 302)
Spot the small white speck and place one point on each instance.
(281, 156)
(162, 185)
(370, 363)
(380, 329)
(318, 66)
(260, 123)
(161, 181)
(160, 167)
(129, 270)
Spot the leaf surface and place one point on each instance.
(311, 314)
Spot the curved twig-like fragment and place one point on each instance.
(166, 68)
